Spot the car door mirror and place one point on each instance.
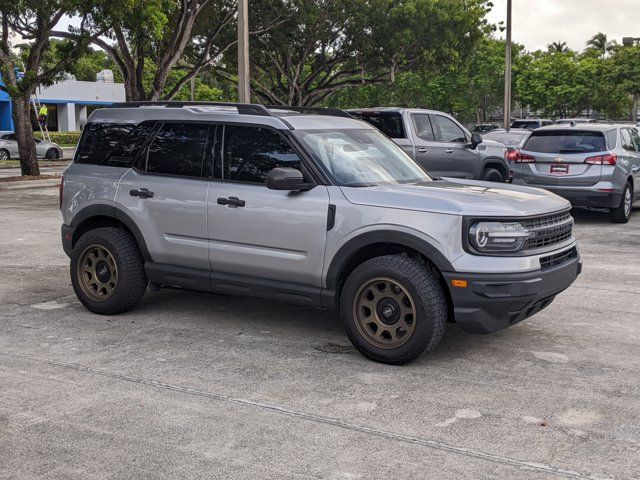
(476, 139)
(285, 178)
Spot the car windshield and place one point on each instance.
(525, 124)
(510, 139)
(562, 141)
(361, 158)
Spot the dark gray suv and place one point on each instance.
(590, 165)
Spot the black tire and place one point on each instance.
(422, 284)
(131, 279)
(4, 154)
(622, 213)
(52, 154)
(491, 174)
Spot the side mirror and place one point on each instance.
(476, 139)
(285, 178)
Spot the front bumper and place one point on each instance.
(492, 301)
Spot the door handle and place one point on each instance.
(423, 150)
(448, 150)
(232, 201)
(141, 192)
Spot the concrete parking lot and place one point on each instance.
(191, 385)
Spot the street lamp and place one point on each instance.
(507, 72)
(244, 94)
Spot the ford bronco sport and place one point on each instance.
(313, 209)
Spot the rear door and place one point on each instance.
(166, 194)
(631, 144)
(258, 233)
(455, 157)
(560, 157)
(392, 124)
(428, 152)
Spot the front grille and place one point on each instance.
(548, 230)
(558, 258)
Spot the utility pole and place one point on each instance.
(244, 94)
(193, 88)
(507, 72)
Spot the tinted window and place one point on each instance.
(525, 124)
(98, 140)
(251, 152)
(126, 150)
(389, 123)
(449, 130)
(423, 126)
(9, 136)
(635, 137)
(627, 142)
(561, 141)
(178, 149)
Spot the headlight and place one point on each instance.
(498, 236)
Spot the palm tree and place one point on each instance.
(601, 44)
(558, 47)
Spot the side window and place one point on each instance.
(449, 130)
(9, 136)
(627, 142)
(178, 149)
(251, 152)
(124, 153)
(423, 126)
(98, 140)
(635, 137)
(612, 139)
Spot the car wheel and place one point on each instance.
(492, 175)
(107, 271)
(394, 309)
(52, 154)
(622, 213)
(4, 155)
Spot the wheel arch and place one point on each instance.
(96, 216)
(497, 163)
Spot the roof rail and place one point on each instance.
(243, 108)
(334, 112)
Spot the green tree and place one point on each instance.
(557, 47)
(625, 72)
(601, 44)
(34, 20)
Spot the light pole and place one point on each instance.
(244, 93)
(507, 72)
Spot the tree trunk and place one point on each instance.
(24, 135)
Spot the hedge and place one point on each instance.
(62, 138)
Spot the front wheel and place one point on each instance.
(107, 271)
(52, 154)
(622, 213)
(492, 175)
(4, 155)
(394, 309)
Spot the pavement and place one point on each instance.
(190, 385)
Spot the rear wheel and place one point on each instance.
(622, 213)
(394, 309)
(4, 155)
(492, 175)
(52, 154)
(107, 271)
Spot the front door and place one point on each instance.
(427, 151)
(455, 157)
(258, 233)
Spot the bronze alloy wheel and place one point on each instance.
(97, 273)
(384, 313)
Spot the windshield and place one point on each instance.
(565, 141)
(361, 158)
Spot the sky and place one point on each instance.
(537, 23)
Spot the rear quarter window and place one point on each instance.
(566, 141)
(98, 140)
(389, 123)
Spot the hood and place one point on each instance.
(460, 197)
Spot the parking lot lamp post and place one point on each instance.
(244, 94)
(507, 72)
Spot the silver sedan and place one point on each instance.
(44, 149)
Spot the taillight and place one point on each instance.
(607, 159)
(61, 190)
(518, 157)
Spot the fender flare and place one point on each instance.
(349, 249)
(498, 160)
(111, 211)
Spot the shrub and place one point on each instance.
(62, 138)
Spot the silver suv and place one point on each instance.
(589, 164)
(317, 210)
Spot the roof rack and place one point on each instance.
(334, 112)
(243, 108)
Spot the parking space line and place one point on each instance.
(426, 442)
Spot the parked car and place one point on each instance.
(515, 137)
(531, 123)
(591, 165)
(316, 210)
(484, 127)
(439, 143)
(44, 149)
(577, 121)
